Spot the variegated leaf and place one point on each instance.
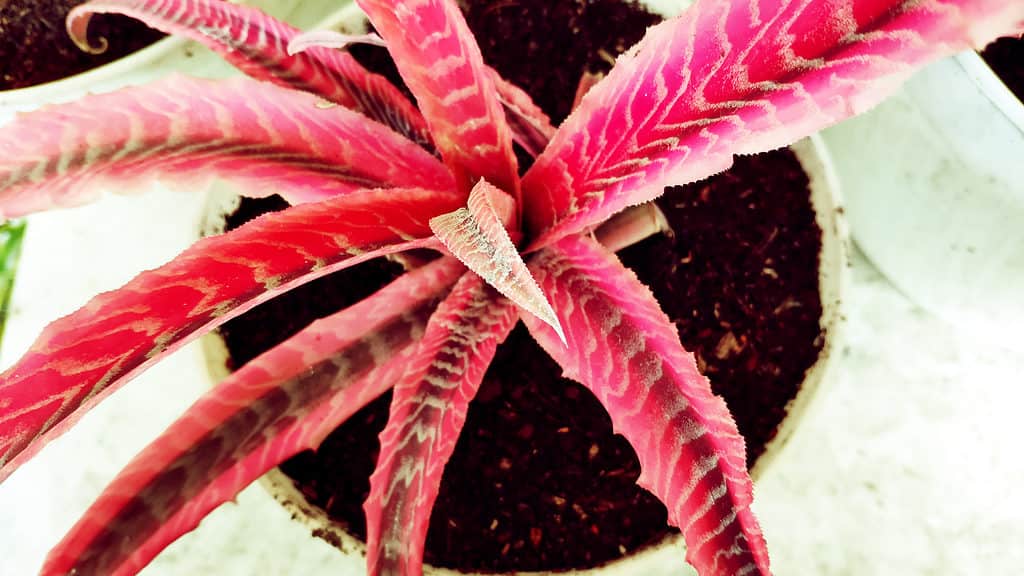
(476, 235)
(256, 44)
(624, 348)
(440, 62)
(284, 401)
(427, 412)
(737, 77)
(81, 358)
(270, 139)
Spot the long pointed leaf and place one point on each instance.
(81, 358)
(441, 63)
(476, 235)
(284, 401)
(737, 77)
(256, 44)
(427, 412)
(271, 139)
(624, 348)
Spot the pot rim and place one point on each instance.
(992, 87)
(833, 279)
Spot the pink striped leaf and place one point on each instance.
(531, 127)
(270, 139)
(81, 358)
(476, 235)
(282, 402)
(624, 349)
(256, 44)
(427, 412)
(737, 77)
(441, 63)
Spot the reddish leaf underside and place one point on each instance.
(587, 81)
(81, 358)
(256, 44)
(269, 139)
(737, 77)
(624, 349)
(427, 412)
(440, 62)
(284, 401)
(531, 127)
(476, 235)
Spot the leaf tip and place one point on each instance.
(561, 334)
(549, 317)
(557, 327)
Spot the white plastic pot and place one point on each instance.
(171, 54)
(667, 557)
(934, 182)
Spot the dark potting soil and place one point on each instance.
(1006, 58)
(538, 480)
(545, 47)
(35, 47)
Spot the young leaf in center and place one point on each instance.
(476, 235)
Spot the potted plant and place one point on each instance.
(941, 215)
(492, 534)
(573, 293)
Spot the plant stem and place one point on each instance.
(631, 226)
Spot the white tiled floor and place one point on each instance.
(909, 462)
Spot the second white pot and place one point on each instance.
(934, 181)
